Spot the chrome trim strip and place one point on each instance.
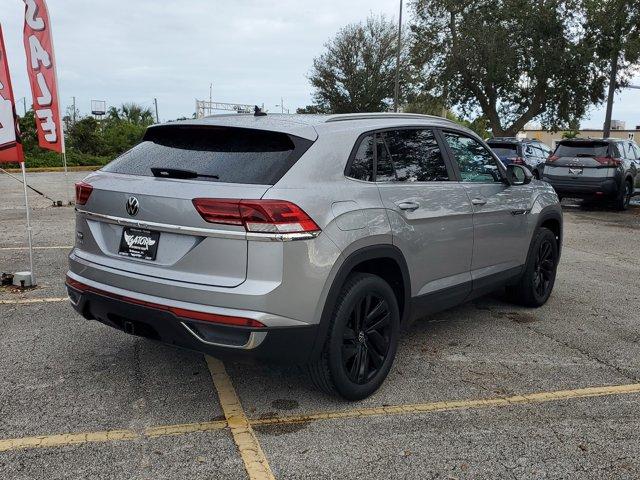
(204, 232)
(164, 227)
(255, 339)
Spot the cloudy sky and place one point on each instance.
(254, 51)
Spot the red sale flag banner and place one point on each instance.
(10, 146)
(41, 65)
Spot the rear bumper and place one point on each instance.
(584, 187)
(281, 344)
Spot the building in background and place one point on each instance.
(618, 130)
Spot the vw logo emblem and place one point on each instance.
(133, 206)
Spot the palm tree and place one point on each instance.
(132, 113)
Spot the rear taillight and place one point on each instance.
(552, 158)
(608, 161)
(83, 191)
(517, 160)
(257, 216)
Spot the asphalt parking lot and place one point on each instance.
(486, 390)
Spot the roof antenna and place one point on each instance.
(257, 112)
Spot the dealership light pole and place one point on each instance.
(397, 87)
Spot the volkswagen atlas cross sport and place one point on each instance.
(307, 239)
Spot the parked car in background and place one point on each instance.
(307, 239)
(606, 169)
(530, 153)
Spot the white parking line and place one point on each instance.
(55, 247)
(25, 301)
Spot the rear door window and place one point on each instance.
(219, 154)
(582, 149)
(415, 155)
(384, 166)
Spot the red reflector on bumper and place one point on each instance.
(178, 312)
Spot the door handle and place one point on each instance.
(408, 206)
(479, 201)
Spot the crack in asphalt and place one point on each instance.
(586, 353)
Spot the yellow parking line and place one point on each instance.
(240, 425)
(49, 441)
(255, 462)
(24, 301)
(55, 247)
(455, 405)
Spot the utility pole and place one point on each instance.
(397, 87)
(155, 101)
(606, 131)
(282, 105)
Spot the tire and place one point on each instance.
(539, 276)
(356, 359)
(624, 196)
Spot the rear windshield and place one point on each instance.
(582, 149)
(504, 149)
(220, 154)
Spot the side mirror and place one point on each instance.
(518, 175)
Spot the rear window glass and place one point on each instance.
(219, 154)
(503, 150)
(582, 149)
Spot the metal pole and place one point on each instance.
(74, 110)
(155, 100)
(397, 86)
(29, 234)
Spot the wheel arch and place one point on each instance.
(552, 219)
(386, 261)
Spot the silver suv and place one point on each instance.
(307, 239)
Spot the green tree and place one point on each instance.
(357, 71)
(312, 109)
(28, 132)
(614, 28)
(513, 60)
(85, 136)
(131, 113)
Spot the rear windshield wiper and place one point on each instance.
(586, 155)
(178, 173)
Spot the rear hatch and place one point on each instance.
(507, 152)
(139, 216)
(582, 159)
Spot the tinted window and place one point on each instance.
(475, 162)
(233, 155)
(582, 149)
(384, 166)
(504, 150)
(362, 164)
(415, 155)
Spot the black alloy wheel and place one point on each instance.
(366, 338)
(362, 340)
(544, 268)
